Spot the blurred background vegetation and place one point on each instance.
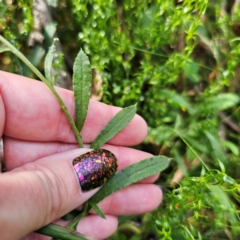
(179, 59)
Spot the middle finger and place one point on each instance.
(19, 152)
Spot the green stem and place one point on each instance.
(59, 232)
(129, 227)
(51, 87)
(195, 153)
(73, 224)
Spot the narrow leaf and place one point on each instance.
(82, 81)
(48, 62)
(59, 232)
(228, 207)
(97, 209)
(73, 224)
(131, 174)
(4, 49)
(216, 146)
(115, 125)
(222, 167)
(192, 149)
(35, 58)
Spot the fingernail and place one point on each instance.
(94, 168)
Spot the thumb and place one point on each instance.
(38, 193)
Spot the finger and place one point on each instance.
(2, 116)
(36, 236)
(48, 187)
(33, 113)
(134, 199)
(97, 227)
(19, 152)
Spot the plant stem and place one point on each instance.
(59, 232)
(49, 84)
(129, 227)
(73, 224)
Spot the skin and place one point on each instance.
(40, 185)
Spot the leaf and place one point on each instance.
(196, 144)
(191, 71)
(192, 149)
(176, 100)
(131, 174)
(82, 81)
(161, 134)
(4, 49)
(179, 160)
(48, 62)
(225, 100)
(232, 147)
(216, 147)
(49, 31)
(35, 58)
(97, 209)
(115, 125)
(227, 205)
(222, 167)
(217, 103)
(59, 232)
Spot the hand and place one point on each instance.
(39, 185)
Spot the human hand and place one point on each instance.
(39, 185)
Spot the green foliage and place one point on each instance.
(48, 63)
(131, 174)
(200, 200)
(180, 61)
(115, 125)
(82, 81)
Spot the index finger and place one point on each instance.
(33, 113)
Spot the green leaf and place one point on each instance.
(192, 149)
(97, 209)
(234, 148)
(73, 224)
(203, 171)
(228, 207)
(35, 58)
(219, 102)
(49, 31)
(180, 162)
(131, 174)
(229, 180)
(59, 232)
(222, 167)
(4, 49)
(82, 81)
(48, 61)
(216, 147)
(115, 125)
(161, 134)
(191, 69)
